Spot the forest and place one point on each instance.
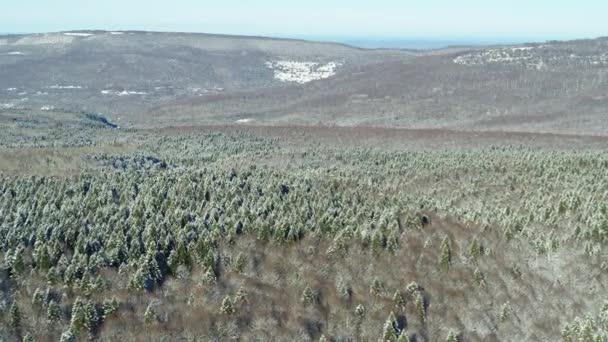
(235, 234)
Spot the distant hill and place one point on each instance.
(160, 79)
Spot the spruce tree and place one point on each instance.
(377, 287)
(360, 311)
(79, 323)
(478, 277)
(308, 296)
(53, 313)
(404, 337)
(445, 254)
(227, 306)
(452, 337)
(38, 298)
(17, 265)
(149, 315)
(389, 334)
(109, 307)
(14, 316)
(68, 336)
(420, 307)
(398, 299)
(475, 250)
(240, 297)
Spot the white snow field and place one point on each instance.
(122, 93)
(302, 72)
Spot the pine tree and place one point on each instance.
(377, 287)
(239, 264)
(227, 306)
(378, 241)
(452, 337)
(17, 265)
(109, 307)
(149, 315)
(360, 311)
(505, 312)
(420, 307)
(38, 298)
(79, 321)
(28, 338)
(475, 250)
(445, 256)
(68, 336)
(240, 297)
(53, 313)
(413, 288)
(43, 259)
(389, 334)
(308, 296)
(15, 316)
(209, 277)
(404, 337)
(398, 299)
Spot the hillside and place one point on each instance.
(553, 87)
(123, 74)
(148, 79)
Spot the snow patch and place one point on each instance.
(11, 89)
(522, 48)
(205, 91)
(116, 33)
(244, 120)
(40, 39)
(302, 72)
(6, 105)
(122, 93)
(58, 86)
(15, 53)
(78, 34)
(530, 57)
(47, 108)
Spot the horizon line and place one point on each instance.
(344, 39)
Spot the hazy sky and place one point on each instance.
(549, 19)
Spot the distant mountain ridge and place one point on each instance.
(154, 79)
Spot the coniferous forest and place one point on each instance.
(287, 234)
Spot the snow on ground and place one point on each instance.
(244, 120)
(302, 72)
(47, 108)
(116, 33)
(48, 38)
(498, 56)
(11, 89)
(205, 91)
(15, 53)
(122, 93)
(6, 105)
(78, 34)
(58, 86)
(531, 57)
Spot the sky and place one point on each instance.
(386, 19)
